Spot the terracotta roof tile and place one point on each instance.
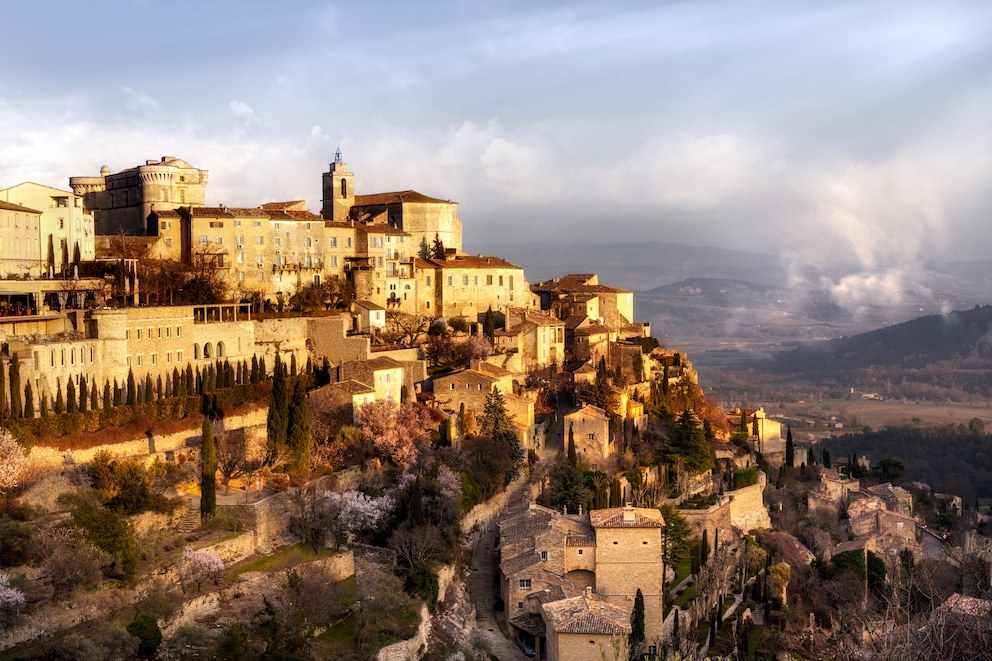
(587, 615)
(400, 197)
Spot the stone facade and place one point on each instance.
(65, 228)
(590, 429)
(123, 201)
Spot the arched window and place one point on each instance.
(207, 350)
(344, 188)
(220, 349)
(196, 351)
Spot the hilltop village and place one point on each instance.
(264, 432)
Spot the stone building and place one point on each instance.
(65, 227)
(421, 217)
(590, 429)
(20, 241)
(469, 285)
(538, 338)
(584, 628)
(548, 556)
(124, 200)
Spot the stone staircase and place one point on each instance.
(190, 520)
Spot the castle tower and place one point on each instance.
(339, 190)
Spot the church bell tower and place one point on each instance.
(339, 190)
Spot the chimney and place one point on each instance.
(588, 592)
(628, 514)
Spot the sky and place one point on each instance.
(856, 132)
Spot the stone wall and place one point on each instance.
(747, 508)
(712, 519)
(328, 337)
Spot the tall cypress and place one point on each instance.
(94, 398)
(132, 390)
(637, 621)
(59, 400)
(16, 410)
(117, 394)
(277, 421)
(573, 459)
(3, 392)
(208, 473)
(71, 403)
(790, 448)
(84, 397)
(149, 389)
(298, 435)
(108, 401)
(28, 401)
(44, 405)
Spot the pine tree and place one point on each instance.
(424, 251)
(437, 249)
(637, 621)
(299, 438)
(16, 410)
(208, 473)
(28, 401)
(71, 403)
(790, 448)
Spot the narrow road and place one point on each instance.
(483, 589)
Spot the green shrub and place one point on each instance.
(149, 636)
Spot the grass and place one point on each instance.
(688, 595)
(284, 558)
(681, 571)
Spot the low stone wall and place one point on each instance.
(712, 519)
(409, 650)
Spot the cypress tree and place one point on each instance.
(59, 401)
(3, 392)
(263, 371)
(107, 397)
(94, 398)
(704, 548)
(208, 474)
(132, 390)
(176, 386)
(160, 390)
(277, 421)
(573, 460)
(299, 438)
(489, 327)
(826, 458)
(117, 394)
(149, 389)
(71, 402)
(790, 448)
(16, 410)
(637, 621)
(84, 396)
(28, 401)
(44, 405)
(188, 382)
(810, 457)
(254, 369)
(292, 364)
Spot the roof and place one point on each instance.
(580, 540)
(587, 615)
(467, 262)
(575, 283)
(369, 305)
(10, 206)
(589, 409)
(519, 563)
(626, 517)
(400, 197)
(592, 329)
(352, 387)
(959, 604)
(532, 623)
(274, 213)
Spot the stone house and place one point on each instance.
(611, 553)
(473, 386)
(384, 375)
(539, 338)
(20, 241)
(370, 317)
(583, 628)
(66, 232)
(581, 294)
(590, 429)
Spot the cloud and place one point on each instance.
(137, 100)
(243, 111)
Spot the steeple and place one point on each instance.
(339, 190)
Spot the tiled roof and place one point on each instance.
(587, 615)
(532, 623)
(590, 410)
(369, 305)
(468, 262)
(352, 387)
(283, 205)
(400, 197)
(592, 329)
(10, 206)
(580, 540)
(519, 563)
(382, 228)
(614, 518)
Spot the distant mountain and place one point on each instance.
(915, 344)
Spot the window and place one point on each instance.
(520, 605)
(168, 241)
(277, 225)
(592, 437)
(475, 280)
(127, 335)
(237, 223)
(489, 279)
(525, 582)
(214, 224)
(307, 241)
(450, 279)
(241, 258)
(165, 224)
(203, 240)
(452, 386)
(277, 241)
(168, 356)
(307, 225)
(256, 223)
(500, 281)
(219, 240)
(428, 281)
(139, 360)
(544, 556)
(348, 242)
(154, 359)
(334, 260)
(580, 551)
(240, 240)
(179, 331)
(259, 240)
(260, 261)
(159, 333)
(652, 650)
(139, 333)
(332, 242)
(241, 276)
(179, 356)
(465, 281)
(261, 276)
(168, 331)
